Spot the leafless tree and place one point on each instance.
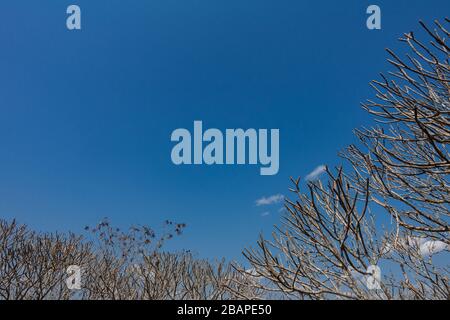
(33, 266)
(115, 264)
(407, 157)
(324, 245)
(329, 236)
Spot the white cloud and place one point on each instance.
(252, 272)
(265, 214)
(313, 175)
(264, 201)
(425, 247)
(432, 247)
(252, 275)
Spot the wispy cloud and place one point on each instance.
(264, 201)
(265, 214)
(313, 175)
(431, 247)
(424, 246)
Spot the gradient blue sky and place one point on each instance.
(86, 116)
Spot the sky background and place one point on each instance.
(86, 116)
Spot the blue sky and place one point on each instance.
(86, 116)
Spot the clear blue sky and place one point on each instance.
(86, 116)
